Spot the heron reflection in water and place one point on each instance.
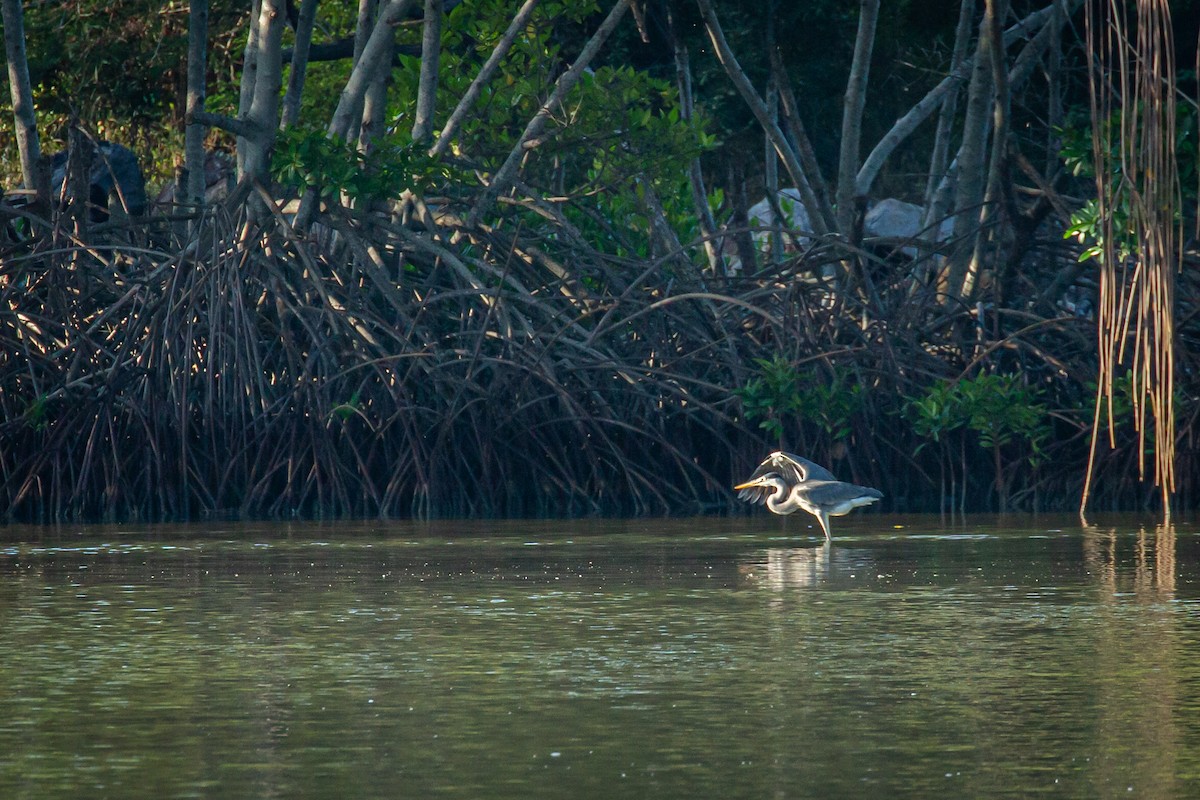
(780, 568)
(786, 483)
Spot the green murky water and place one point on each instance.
(649, 658)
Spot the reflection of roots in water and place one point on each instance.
(787, 567)
(1153, 562)
(1141, 666)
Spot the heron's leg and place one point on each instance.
(823, 518)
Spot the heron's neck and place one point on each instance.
(777, 498)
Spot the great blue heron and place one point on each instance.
(787, 482)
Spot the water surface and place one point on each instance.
(650, 658)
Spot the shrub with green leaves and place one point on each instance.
(781, 394)
(999, 409)
(309, 159)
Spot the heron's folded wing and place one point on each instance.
(837, 497)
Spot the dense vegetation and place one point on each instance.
(570, 307)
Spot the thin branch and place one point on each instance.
(926, 106)
(242, 128)
(507, 173)
(787, 154)
(340, 49)
(485, 74)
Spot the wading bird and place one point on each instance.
(786, 483)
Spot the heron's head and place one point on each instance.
(771, 480)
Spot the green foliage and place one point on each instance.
(1087, 227)
(344, 411)
(36, 415)
(524, 78)
(1086, 223)
(115, 59)
(1000, 409)
(616, 133)
(772, 395)
(831, 405)
(780, 392)
(1005, 409)
(935, 413)
(1076, 152)
(309, 159)
(625, 133)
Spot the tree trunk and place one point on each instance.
(1055, 88)
(908, 123)
(739, 217)
(852, 115)
(77, 182)
(197, 70)
(263, 115)
(995, 221)
(368, 16)
(972, 167)
(771, 158)
(364, 26)
(372, 59)
(431, 48)
(24, 114)
(374, 111)
(249, 77)
(305, 22)
(664, 244)
(939, 161)
(771, 176)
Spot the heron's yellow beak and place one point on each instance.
(746, 485)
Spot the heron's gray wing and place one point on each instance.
(838, 498)
(756, 494)
(796, 469)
